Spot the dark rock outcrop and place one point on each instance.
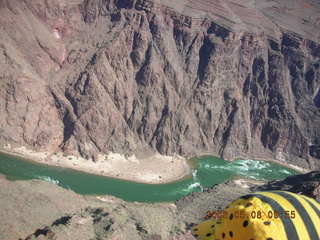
(306, 184)
(233, 79)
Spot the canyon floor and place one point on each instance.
(55, 213)
(86, 83)
(52, 212)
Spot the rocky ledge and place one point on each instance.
(307, 184)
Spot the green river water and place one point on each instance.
(208, 172)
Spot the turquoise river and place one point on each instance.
(208, 171)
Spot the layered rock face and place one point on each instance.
(234, 79)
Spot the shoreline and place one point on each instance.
(288, 165)
(277, 161)
(156, 169)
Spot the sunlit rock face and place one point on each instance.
(228, 78)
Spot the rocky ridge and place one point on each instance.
(227, 78)
(307, 184)
(39, 210)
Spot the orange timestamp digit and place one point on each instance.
(241, 214)
(216, 214)
(272, 214)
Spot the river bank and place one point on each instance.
(206, 172)
(155, 169)
(276, 159)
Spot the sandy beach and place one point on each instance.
(156, 169)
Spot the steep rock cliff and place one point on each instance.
(234, 79)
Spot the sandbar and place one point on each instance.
(155, 169)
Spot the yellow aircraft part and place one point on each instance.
(274, 215)
(205, 230)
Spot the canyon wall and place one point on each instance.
(233, 79)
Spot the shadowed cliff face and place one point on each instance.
(131, 76)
